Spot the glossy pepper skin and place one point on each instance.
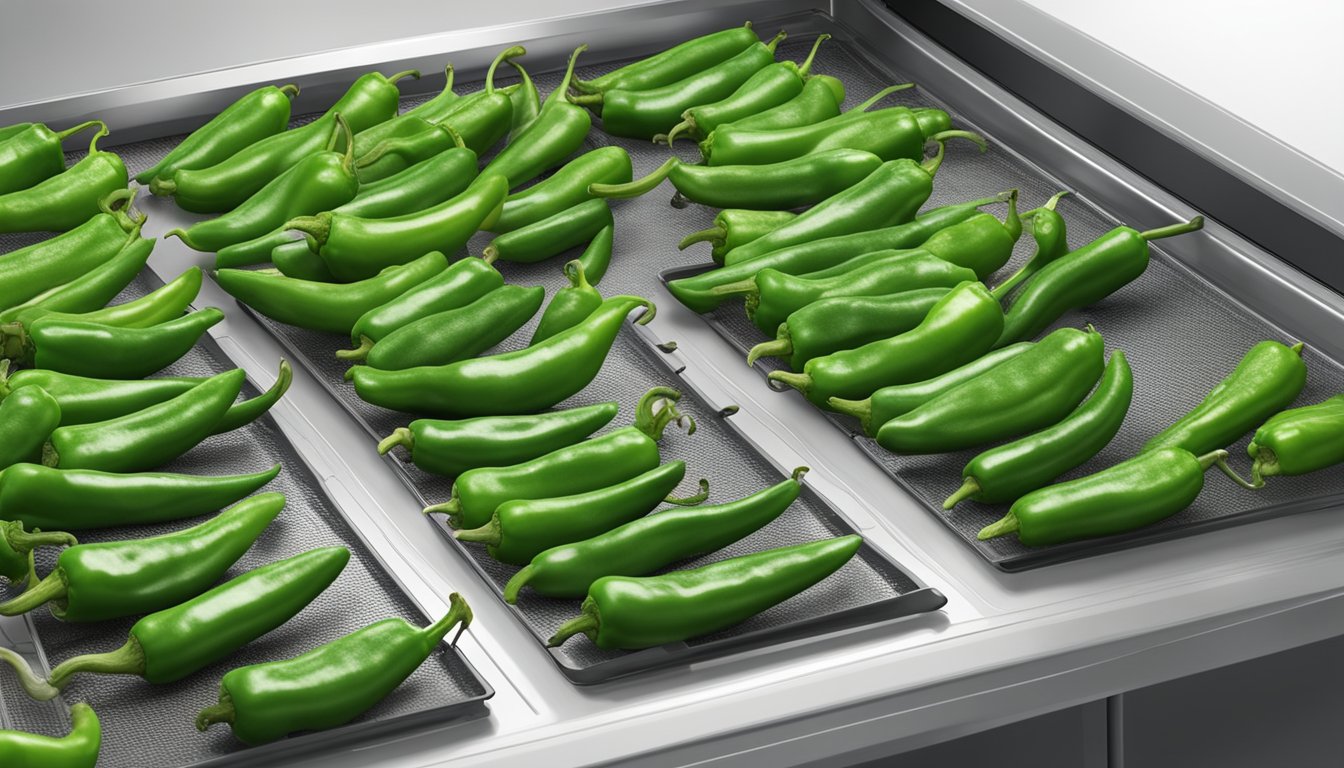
(105, 351)
(734, 227)
(1004, 474)
(522, 381)
(675, 63)
(596, 258)
(178, 641)
(78, 749)
(322, 306)
(819, 100)
(331, 684)
(167, 302)
(85, 499)
(644, 612)
(565, 188)
(551, 236)
(450, 448)
(108, 580)
(520, 529)
(258, 115)
(832, 325)
(485, 117)
(91, 290)
(795, 183)
(16, 543)
(1029, 392)
(1144, 490)
(1083, 277)
(145, 439)
(457, 334)
(27, 419)
(569, 306)
(34, 155)
(650, 543)
(69, 198)
(225, 185)
(1049, 231)
(584, 466)
(396, 155)
(441, 103)
(1269, 377)
(557, 132)
(891, 133)
(526, 103)
(1298, 441)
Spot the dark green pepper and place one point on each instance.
(891, 134)
(734, 227)
(78, 749)
(27, 419)
(1049, 232)
(557, 132)
(91, 290)
(551, 236)
(258, 115)
(565, 188)
(35, 155)
(569, 306)
(1298, 441)
(678, 62)
(16, 543)
(106, 351)
(68, 199)
(457, 334)
(167, 302)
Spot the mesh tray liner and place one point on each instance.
(131, 709)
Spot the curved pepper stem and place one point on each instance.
(806, 66)
(402, 436)
(859, 409)
(68, 132)
(714, 236)
(358, 353)
(1172, 230)
(798, 472)
(587, 622)
(289, 89)
(780, 347)
(459, 615)
(315, 229)
(488, 534)
(452, 508)
(968, 489)
(49, 589)
(690, 501)
(687, 124)
(221, 712)
(511, 52)
(799, 381)
(181, 234)
(561, 92)
(880, 95)
(30, 681)
(654, 422)
(129, 659)
(573, 270)
(637, 187)
(776, 40)
(1219, 459)
(14, 342)
(25, 541)
(458, 141)
(343, 129)
(1002, 527)
(101, 132)
(516, 584)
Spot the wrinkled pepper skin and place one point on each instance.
(1298, 441)
(78, 749)
(258, 115)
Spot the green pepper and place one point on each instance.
(569, 306)
(318, 182)
(392, 156)
(596, 258)
(899, 399)
(522, 381)
(68, 199)
(16, 543)
(795, 183)
(585, 466)
(1144, 490)
(819, 100)
(891, 134)
(847, 322)
(10, 131)
(441, 103)
(1269, 377)
(108, 580)
(526, 103)
(673, 64)
(34, 155)
(650, 543)
(735, 227)
(565, 188)
(1029, 392)
(521, 529)
(1008, 472)
(91, 290)
(485, 117)
(27, 419)
(224, 186)
(648, 112)
(557, 132)
(955, 331)
(398, 127)
(84, 499)
(167, 302)
(258, 115)
(456, 334)
(145, 439)
(78, 749)
(330, 685)
(450, 448)
(322, 306)
(178, 641)
(1049, 231)
(643, 612)
(1083, 277)
(355, 248)
(94, 349)
(1298, 441)
(551, 236)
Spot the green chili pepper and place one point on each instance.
(768, 87)
(91, 290)
(1083, 277)
(331, 684)
(243, 413)
(526, 103)
(322, 306)
(457, 334)
(891, 133)
(108, 580)
(483, 118)
(94, 349)
(35, 155)
(355, 248)
(442, 102)
(819, 100)
(1048, 230)
(565, 188)
(675, 63)
(258, 115)
(734, 227)
(27, 419)
(832, 325)
(521, 529)
(78, 749)
(84, 499)
(68, 199)
(1029, 392)
(1144, 490)
(899, 399)
(318, 182)
(296, 261)
(645, 113)
(1268, 378)
(954, 332)
(450, 448)
(795, 183)
(1298, 441)
(224, 186)
(167, 302)
(392, 156)
(398, 127)
(645, 545)
(1006, 473)
(551, 236)
(704, 292)
(589, 465)
(178, 641)
(596, 258)
(145, 439)
(569, 306)
(521, 381)
(16, 543)
(643, 612)
(557, 132)
(10, 131)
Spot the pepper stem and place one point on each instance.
(1220, 461)
(586, 622)
(654, 423)
(714, 236)
(1004, 526)
(932, 164)
(970, 136)
(586, 100)
(411, 73)
(1298, 347)
(859, 409)
(315, 229)
(459, 613)
(745, 287)
(781, 347)
(68, 132)
(504, 55)
(1211, 458)
(968, 489)
(221, 712)
(776, 40)
(562, 91)
(358, 353)
(452, 508)
(343, 128)
(807, 63)
(93, 142)
(46, 590)
(458, 141)
(798, 472)
(635, 188)
(880, 95)
(574, 273)
(4, 378)
(402, 436)
(181, 234)
(24, 541)
(1172, 230)
(30, 681)
(490, 254)
(799, 381)
(692, 500)
(489, 533)
(1012, 222)
(516, 584)
(129, 659)
(14, 342)
(1262, 467)
(687, 124)
(289, 89)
